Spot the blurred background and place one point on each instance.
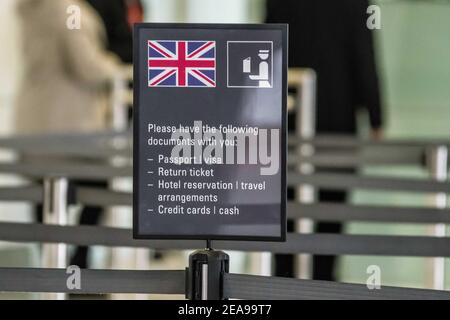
(412, 51)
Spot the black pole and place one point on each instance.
(205, 275)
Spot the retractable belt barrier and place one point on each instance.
(328, 180)
(350, 152)
(93, 281)
(98, 145)
(66, 141)
(353, 152)
(319, 211)
(348, 181)
(62, 141)
(346, 141)
(23, 194)
(173, 282)
(273, 288)
(67, 170)
(350, 159)
(308, 151)
(413, 246)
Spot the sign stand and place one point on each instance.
(210, 139)
(206, 272)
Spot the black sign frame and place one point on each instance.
(136, 130)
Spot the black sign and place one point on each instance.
(210, 131)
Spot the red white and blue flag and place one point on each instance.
(181, 63)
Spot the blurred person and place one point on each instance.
(119, 16)
(332, 38)
(67, 72)
(9, 63)
(66, 79)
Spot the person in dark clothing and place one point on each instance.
(332, 38)
(89, 216)
(118, 17)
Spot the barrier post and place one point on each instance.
(55, 212)
(438, 157)
(121, 98)
(206, 274)
(305, 79)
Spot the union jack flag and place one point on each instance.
(181, 63)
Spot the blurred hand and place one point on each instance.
(376, 134)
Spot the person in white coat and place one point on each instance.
(67, 70)
(68, 73)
